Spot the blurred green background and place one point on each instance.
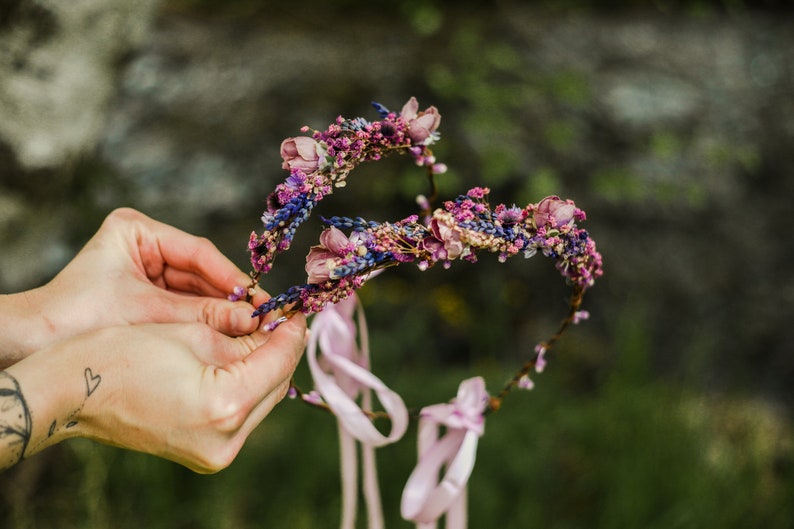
(670, 123)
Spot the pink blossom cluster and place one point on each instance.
(461, 229)
(321, 162)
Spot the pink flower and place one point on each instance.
(421, 125)
(554, 211)
(446, 243)
(322, 259)
(302, 153)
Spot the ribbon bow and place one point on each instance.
(340, 376)
(425, 499)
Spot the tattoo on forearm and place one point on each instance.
(70, 421)
(91, 381)
(15, 422)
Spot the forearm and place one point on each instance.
(41, 399)
(25, 329)
(15, 422)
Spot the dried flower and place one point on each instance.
(323, 259)
(421, 125)
(554, 212)
(302, 154)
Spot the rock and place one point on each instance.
(58, 70)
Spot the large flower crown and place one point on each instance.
(459, 229)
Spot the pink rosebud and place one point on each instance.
(322, 259)
(301, 153)
(336, 241)
(421, 125)
(554, 211)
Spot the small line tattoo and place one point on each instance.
(91, 381)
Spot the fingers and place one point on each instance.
(186, 282)
(272, 363)
(227, 317)
(200, 258)
(180, 264)
(177, 260)
(251, 375)
(230, 318)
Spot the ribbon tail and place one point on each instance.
(371, 489)
(370, 471)
(427, 436)
(349, 473)
(424, 498)
(457, 515)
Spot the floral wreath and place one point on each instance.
(338, 351)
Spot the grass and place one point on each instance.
(629, 452)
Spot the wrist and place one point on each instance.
(25, 328)
(52, 385)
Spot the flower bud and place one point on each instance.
(301, 153)
(554, 211)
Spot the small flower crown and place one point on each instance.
(460, 229)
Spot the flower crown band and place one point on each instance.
(458, 230)
(353, 250)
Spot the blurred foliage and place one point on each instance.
(628, 452)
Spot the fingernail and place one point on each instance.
(241, 318)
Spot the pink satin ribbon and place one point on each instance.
(425, 499)
(340, 376)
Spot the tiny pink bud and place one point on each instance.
(580, 315)
(313, 398)
(525, 382)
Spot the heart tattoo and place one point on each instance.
(91, 381)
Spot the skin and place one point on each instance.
(133, 270)
(134, 344)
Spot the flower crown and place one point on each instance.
(460, 229)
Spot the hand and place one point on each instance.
(134, 270)
(184, 392)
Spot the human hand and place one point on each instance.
(184, 392)
(133, 270)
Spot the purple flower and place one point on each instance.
(554, 211)
(421, 125)
(237, 294)
(507, 215)
(295, 181)
(302, 153)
